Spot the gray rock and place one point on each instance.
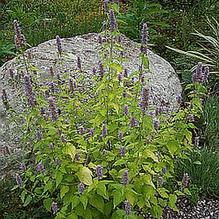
(162, 80)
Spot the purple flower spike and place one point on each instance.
(191, 118)
(124, 94)
(105, 5)
(18, 180)
(122, 151)
(101, 70)
(29, 90)
(22, 167)
(126, 110)
(51, 71)
(200, 74)
(63, 139)
(100, 39)
(119, 39)
(59, 45)
(127, 207)
(81, 187)
(142, 79)
(185, 180)
(92, 132)
(5, 98)
(40, 167)
(104, 131)
(78, 156)
(19, 38)
(79, 63)
(38, 134)
(205, 74)
(144, 34)
(11, 73)
(94, 71)
(99, 172)
(52, 109)
(144, 99)
(156, 124)
(17, 28)
(42, 111)
(179, 98)
(126, 73)
(52, 87)
(81, 130)
(125, 178)
(133, 122)
(144, 39)
(59, 78)
(113, 23)
(120, 76)
(54, 207)
(120, 135)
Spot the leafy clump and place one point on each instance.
(102, 152)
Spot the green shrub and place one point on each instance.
(207, 51)
(7, 50)
(11, 206)
(139, 12)
(211, 119)
(42, 20)
(101, 154)
(203, 169)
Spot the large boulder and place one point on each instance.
(162, 79)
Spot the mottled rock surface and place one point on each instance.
(163, 81)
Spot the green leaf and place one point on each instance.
(84, 200)
(172, 202)
(179, 193)
(150, 154)
(28, 200)
(119, 162)
(63, 190)
(89, 214)
(72, 216)
(75, 201)
(101, 190)
(85, 176)
(118, 197)
(197, 162)
(157, 211)
(59, 177)
(98, 202)
(148, 180)
(70, 150)
(108, 207)
(116, 107)
(187, 192)
(116, 66)
(172, 146)
(52, 130)
(47, 203)
(163, 192)
(119, 214)
(48, 186)
(23, 195)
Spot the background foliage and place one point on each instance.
(171, 23)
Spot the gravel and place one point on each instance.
(204, 209)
